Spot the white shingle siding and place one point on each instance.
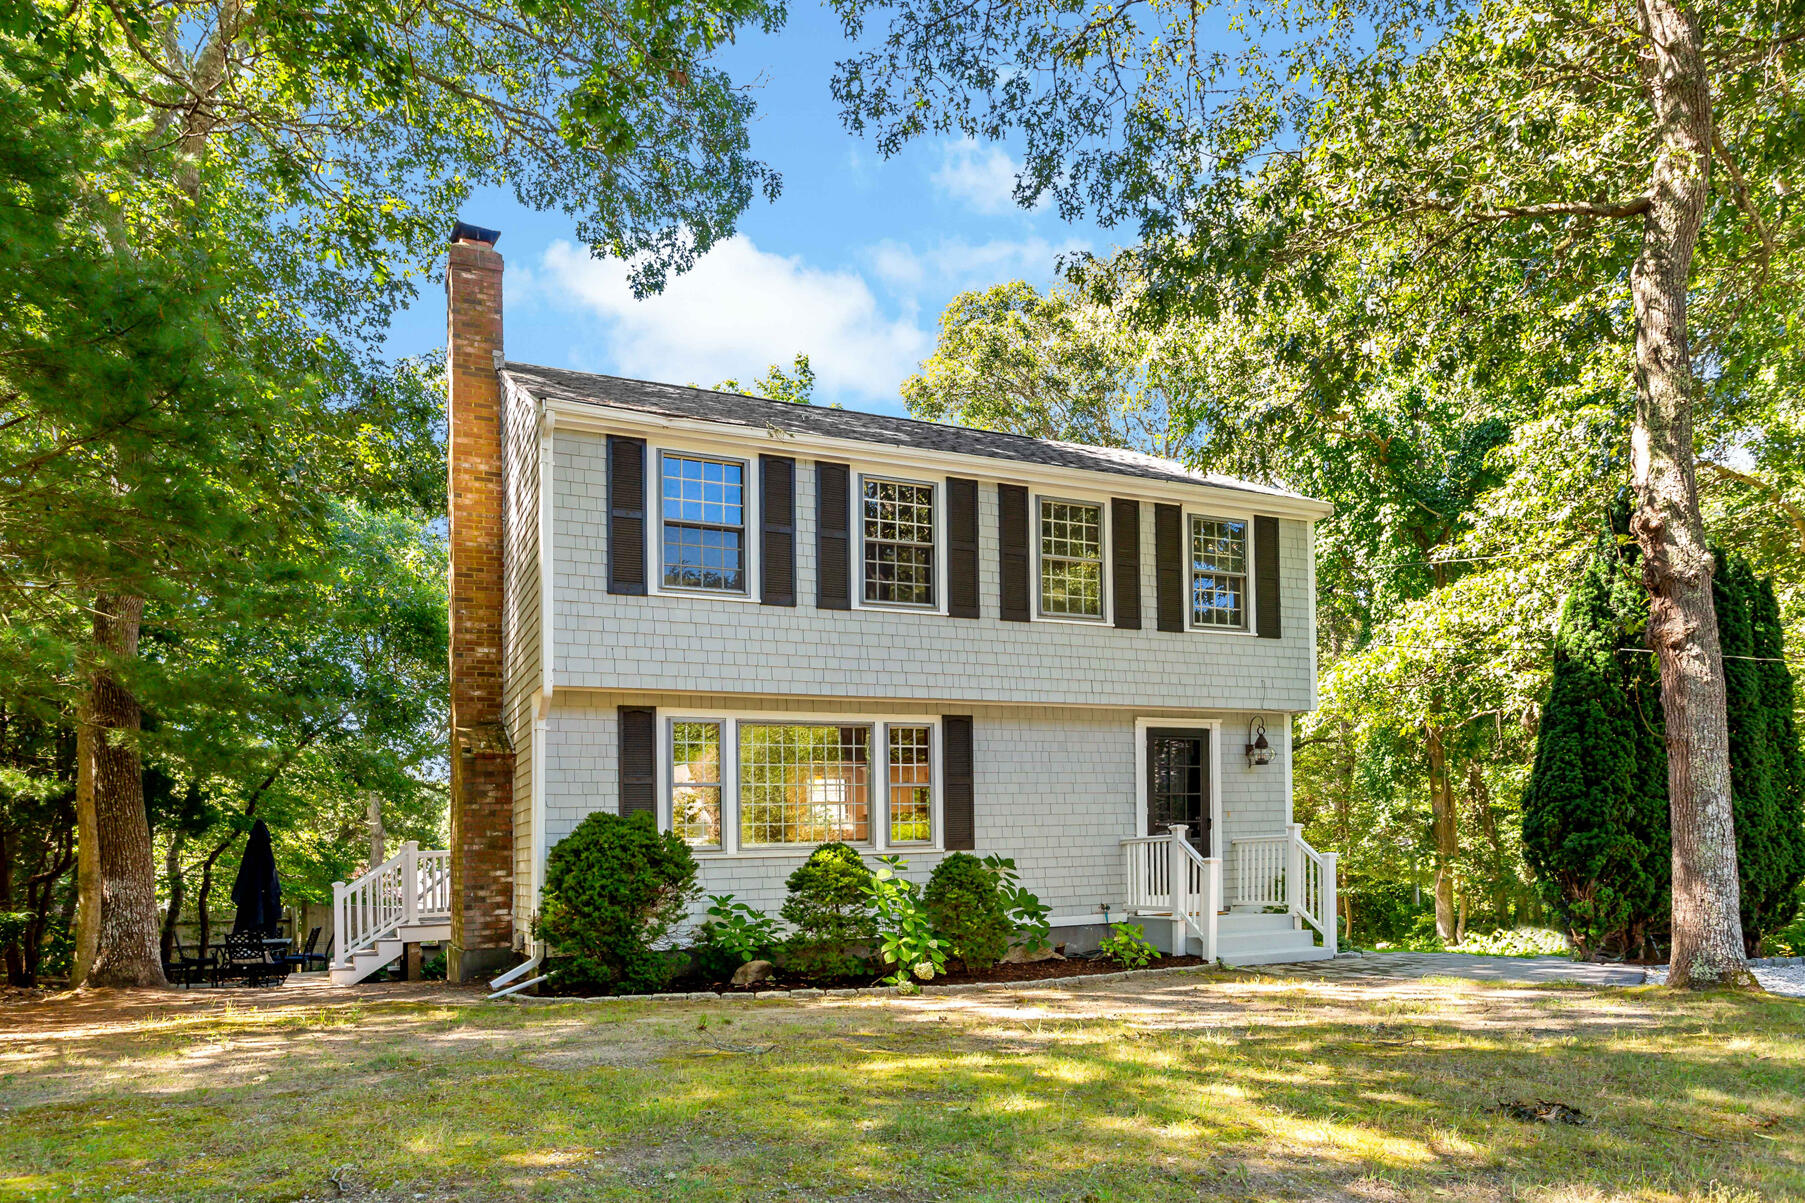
(1054, 788)
(708, 645)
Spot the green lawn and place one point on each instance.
(1165, 1088)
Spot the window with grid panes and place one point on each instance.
(911, 750)
(804, 784)
(1219, 573)
(1071, 559)
(696, 783)
(704, 511)
(899, 543)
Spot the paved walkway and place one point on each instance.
(1374, 966)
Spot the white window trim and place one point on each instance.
(730, 721)
(1248, 611)
(1107, 534)
(655, 515)
(1214, 727)
(860, 475)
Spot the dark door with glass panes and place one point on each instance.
(1178, 783)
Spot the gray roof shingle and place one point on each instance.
(757, 413)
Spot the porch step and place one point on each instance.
(1268, 947)
(1252, 921)
(380, 955)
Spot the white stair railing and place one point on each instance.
(1157, 863)
(1283, 870)
(410, 887)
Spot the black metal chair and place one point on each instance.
(189, 969)
(247, 958)
(307, 958)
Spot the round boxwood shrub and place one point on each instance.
(614, 887)
(969, 909)
(829, 905)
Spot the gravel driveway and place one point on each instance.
(1777, 975)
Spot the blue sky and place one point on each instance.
(852, 265)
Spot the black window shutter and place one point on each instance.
(777, 530)
(1125, 557)
(626, 515)
(638, 760)
(961, 547)
(956, 794)
(1169, 566)
(1012, 539)
(1266, 577)
(833, 550)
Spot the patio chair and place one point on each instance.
(307, 958)
(246, 958)
(189, 969)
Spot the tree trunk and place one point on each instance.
(116, 925)
(1488, 824)
(1447, 842)
(1707, 925)
(172, 872)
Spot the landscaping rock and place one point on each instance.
(1018, 954)
(754, 972)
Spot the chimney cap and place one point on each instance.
(463, 231)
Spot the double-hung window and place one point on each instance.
(898, 529)
(704, 514)
(1219, 573)
(753, 785)
(1071, 559)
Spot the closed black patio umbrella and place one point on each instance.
(258, 891)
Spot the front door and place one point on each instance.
(1178, 783)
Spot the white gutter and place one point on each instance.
(526, 966)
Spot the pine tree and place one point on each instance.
(1595, 812)
(1767, 771)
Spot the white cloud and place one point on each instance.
(982, 177)
(960, 264)
(739, 310)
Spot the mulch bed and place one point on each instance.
(1077, 966)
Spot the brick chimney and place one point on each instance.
(482, 759)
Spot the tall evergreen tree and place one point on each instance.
(1767, 772)
(1595, 822)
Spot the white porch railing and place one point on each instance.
(1268, 871)
(1283, 870)
(410, 887)
(1159, 863)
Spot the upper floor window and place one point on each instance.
(899, 543)
(1219, 573)
(704, 523)
(1071, 559)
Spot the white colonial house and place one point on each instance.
(770, 625)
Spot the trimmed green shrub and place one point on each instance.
(1595, 827)
(829, 905)
(966, 905)
(1767, 772)
(615, 887)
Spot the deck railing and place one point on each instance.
(410, 887)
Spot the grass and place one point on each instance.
(1216, 1086)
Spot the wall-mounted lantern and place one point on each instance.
(1259, 752)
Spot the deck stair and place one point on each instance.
(1268, 906)
(404, 900)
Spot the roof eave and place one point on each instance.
(602, 416)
